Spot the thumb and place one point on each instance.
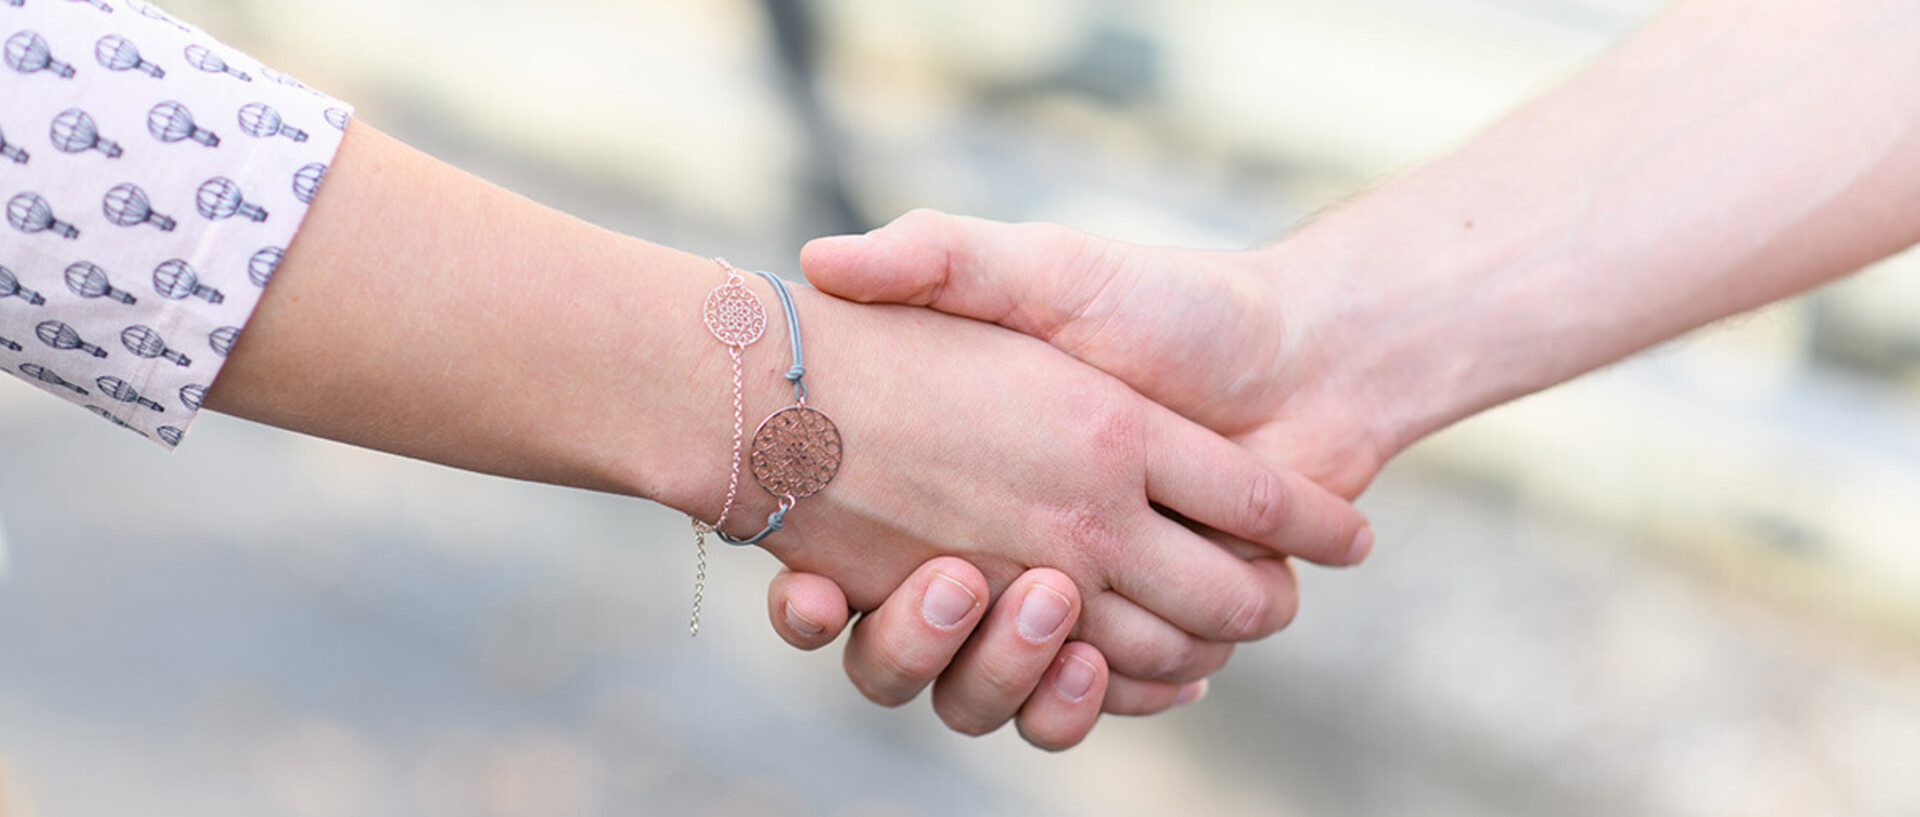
(1026, 277)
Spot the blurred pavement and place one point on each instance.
(1684, 586)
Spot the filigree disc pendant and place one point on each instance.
(734, 314)
(796, 451)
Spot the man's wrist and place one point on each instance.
(1392, 338)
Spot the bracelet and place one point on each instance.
(735, 318)
(796, 450)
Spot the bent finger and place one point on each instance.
(902, 646)
(1067, 702)
(1139, 644)
(1178, 575)
(807, 610)
(1133, 697)
(1014, 646)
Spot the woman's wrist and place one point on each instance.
(424, 312)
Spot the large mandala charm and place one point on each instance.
(734, 314)
(796, 451)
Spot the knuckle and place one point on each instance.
(1284, 611)
(971, 726)
(1265, 514)
(1006, 687)
(880, 690)
(1173, 660)
(1117, 424)
(1106, 424)
(890, 676)
(1044, 739)
(1247, 620)
(965, 716)
(1086, 531)
(1169, 660)
(877, 691)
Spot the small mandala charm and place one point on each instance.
(796, 451)
(734, 314)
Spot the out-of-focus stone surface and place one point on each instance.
(1682, 587)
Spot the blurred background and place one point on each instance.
(1687, 585)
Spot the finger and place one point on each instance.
(1194, 584)
(1138, 644)
(1022, 276)
(1012, 648)
(1065, 706)
(1221, 485)
(899, 648)
(1127, 696)
(806, 609)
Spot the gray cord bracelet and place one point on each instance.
(796, 450)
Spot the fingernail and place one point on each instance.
(946, 602)
(1191, 692)
(1362, 545)
(847, 240)
(1042, 613)
(1075, 678)
(802, 625)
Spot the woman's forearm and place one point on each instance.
(1731, 154)
(425, 312)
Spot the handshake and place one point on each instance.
(1116, 511)
(1075, 472)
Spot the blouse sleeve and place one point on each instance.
(152, 177)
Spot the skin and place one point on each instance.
(405, 319)
(1729, 155)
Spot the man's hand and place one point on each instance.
(1203, 333)
(1218, 337)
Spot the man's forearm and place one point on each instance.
(1731, 154)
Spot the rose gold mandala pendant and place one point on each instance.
(734, 314)
(796, 451)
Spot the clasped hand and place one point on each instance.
(1128, 545)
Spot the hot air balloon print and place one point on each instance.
(222, 339)
(29, 213)
(28, 53)
(10, 288)
(12, 151)
(220, 198)
(171, 122)
(260, 267)
(88, 280)
(145, 342)
(203, 58)
(118, 389)
(261, 120)
(127, 206)
(306, 181)
(174, 279)
(73, 131)
(63, 337)
(46, 375)
(117, 53)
